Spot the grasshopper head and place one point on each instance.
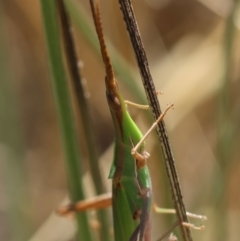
(115, 101)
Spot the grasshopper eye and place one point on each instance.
(113, 102)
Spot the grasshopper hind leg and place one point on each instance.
(154, 125)
(142, 231)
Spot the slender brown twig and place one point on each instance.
(129, 18)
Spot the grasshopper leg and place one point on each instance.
(144, 107)
(177, 223)
(154, 125)
(173, 211)
(99, 202)
(144, 221)
(142, 230)
(191, 215)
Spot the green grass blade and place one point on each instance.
(225, 130)
(65, 115)
(85, 113)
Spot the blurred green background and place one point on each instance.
(193, 51)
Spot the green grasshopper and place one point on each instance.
(131, 197)
(131, 183)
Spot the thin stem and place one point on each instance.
(85, 114)
(65, 114)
